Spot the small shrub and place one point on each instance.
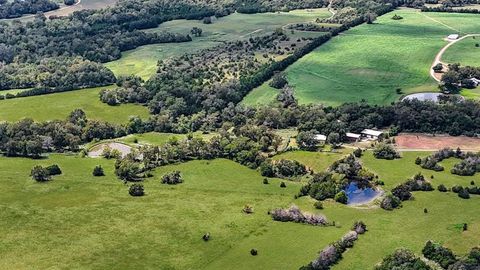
(98, 171)
(390, 202)
(464, 194)
(318, 205)
(358, 152)
(359, 227)
(206, 237)
(136, 190)
(465, 227)
(40, 174)
(283, 185)
(472, 183)
(265, 181)
(442, 188)
(456, 189)
(425, 210)
(253, 252)
(385, 151)
(418, 161)
(247, 209)
(172, 178)
(341, 197)
(53, 169)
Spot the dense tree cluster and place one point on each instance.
(293, 214)
(468, 166)
(402, 259)
(54, 74)
(30, 139)
(282, 168)
(330, 184)
(130, 90)
(260, 6)
(458, 77)
(331, 254)
(17, 8)
(43, 174)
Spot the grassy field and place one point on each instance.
(464, 52)
(142, 61)
(371, 61)
(78, 221)
(59, 106)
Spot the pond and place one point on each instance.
(361, 196)
(424, 96)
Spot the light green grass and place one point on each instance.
(472, 94)
(143, 60)
(370, 61)
(262, 95)
(406, 227)
(464, 52)
(59, 106)
(77, 221)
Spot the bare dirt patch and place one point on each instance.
(413, 141)
(97, 150)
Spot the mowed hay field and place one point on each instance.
(59, 105)
(464, 52)
(372, 60)
(143, 60)
(79, 221)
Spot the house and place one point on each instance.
(371, 134)
(353, 137)
(476, 82)
(453, 37)
(320, 138)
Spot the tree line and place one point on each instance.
(17, 8)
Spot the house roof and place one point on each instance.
(353, 135)
(453, 36)
(320, 137)
(372, 132)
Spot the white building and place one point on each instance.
(371, 134)
(453, 37)
(320, 138)
(475, 81)
(353, 136)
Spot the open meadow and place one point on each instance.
(371, 61)
(107, 228)
(465, 52)
(142, 61)
(59, 105)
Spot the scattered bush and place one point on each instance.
(463, 193)
(390, 202)
(318, 205)
(293, 214)
(136, 190)
(442, 188)
(265, 181)
(253, 252)
(402, 259)
(40, 174)
(206, 237)
(385, 151)
(98, 171)
(248, 209)
(54, 169)
(358, 153)
(439, 254)
(283, 185)
(282, 168)
(341, 197)
(279, 80)
(359, 227)
(397, 17)
(172, 178)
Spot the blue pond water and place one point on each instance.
(360, 196)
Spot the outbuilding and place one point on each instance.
(453, 37)
(353, 137)
(320, 138)
(371, 134)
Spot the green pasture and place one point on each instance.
(80, 221)
(464, 52)
(59, 105)
(143, 60)
(158, 138)
(371, 61)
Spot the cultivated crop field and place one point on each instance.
(59, 105)
(163, 229)
(371, 61)
(143, 61)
